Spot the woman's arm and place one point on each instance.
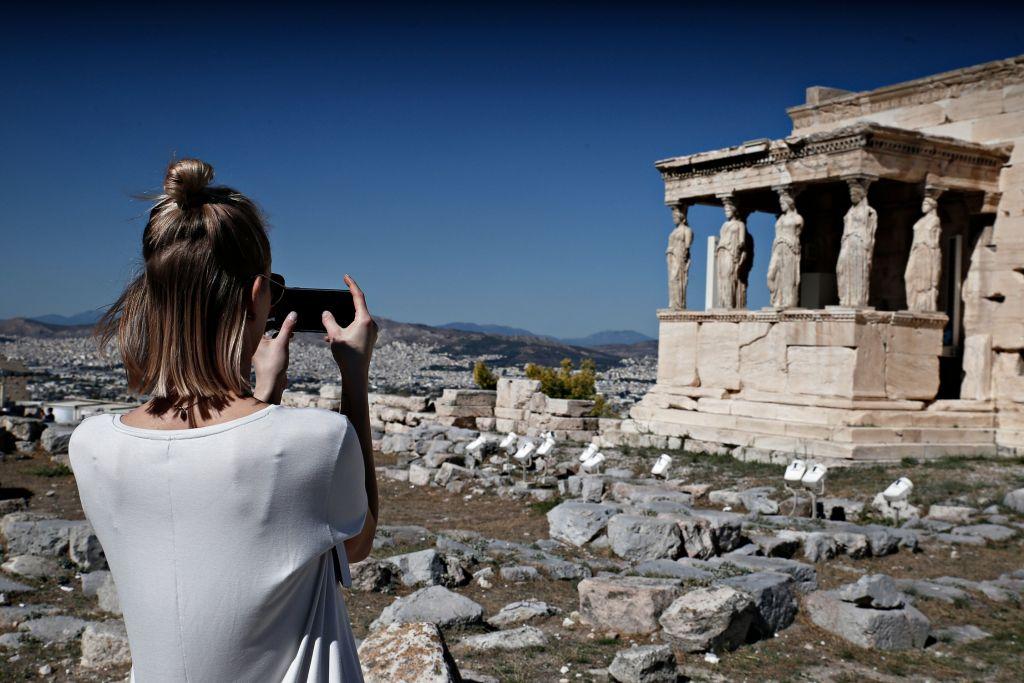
(352, 348)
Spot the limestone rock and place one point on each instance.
(518, 574)
(390, 536)
(512, 639)
(726, 528)
(673, 570)
(11, 616)
(637, 538)
(105, 643)
(883, 629)
(990, 532)
(776, 546)
(407, 653)
(955, 514)
(54, 629)
(11, 586)
(626, 604)
(12, 641)
(698, 540)
(107, 598)
(644, 664)
(421, 567)
(433, 604)
(709, 619)
(877, 591)
(1015, 501)
(578, 523)
(967, 633)
(31, 566)
(931, 590)
(374, 576)
(516, 613)
(803, 574)
(774, 599)
(55, 438)
(91, 581)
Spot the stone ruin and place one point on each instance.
(896, 278)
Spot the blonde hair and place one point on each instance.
(180, 324)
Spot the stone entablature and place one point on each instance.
(830, 314)
(838, 106)
(865, 150)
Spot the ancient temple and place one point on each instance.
(896, 279)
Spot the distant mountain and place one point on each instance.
(457, 343)
(502, 330)
(602, 338)
(25, 327)
(83, 318)
(607, 338)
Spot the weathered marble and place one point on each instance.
(678, 256)
(784, 266)
(856, 251)
(925, 263)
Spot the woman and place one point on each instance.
(225, 517)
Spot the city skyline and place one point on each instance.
(493, 165)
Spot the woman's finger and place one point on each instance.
(287, 326)
(331, 325)
(358, 298)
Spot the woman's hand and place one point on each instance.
(270, 362)
(352, 346)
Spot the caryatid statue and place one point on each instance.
(925, 264)
(853, 269)
(678, 256)
(731, 254)
(784, 266)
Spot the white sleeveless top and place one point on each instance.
(219, 538)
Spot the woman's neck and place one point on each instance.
(161, 413)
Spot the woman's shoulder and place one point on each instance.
(312, 418)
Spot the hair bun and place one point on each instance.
(186, 181)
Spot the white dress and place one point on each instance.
(219, 538)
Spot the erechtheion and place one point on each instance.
(896, 278)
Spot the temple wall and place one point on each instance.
(983, 104)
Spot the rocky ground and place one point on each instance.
(559, 578)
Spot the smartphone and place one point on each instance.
(310, 305)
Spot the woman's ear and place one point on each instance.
(254, 297)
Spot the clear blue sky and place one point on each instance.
(487, 162)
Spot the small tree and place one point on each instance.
(562, 382)
(483, 377)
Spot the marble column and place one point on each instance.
(924, 267)
(733, 257)
(677, 254)
(853, 269)
(784, 266)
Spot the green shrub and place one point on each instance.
(483, 377)
(602, 408)
(563, 382)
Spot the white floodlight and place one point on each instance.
(794, 473)
(814, 481)
(476, 443)
(508, 440)
(897, 494)
(546, 447)
(899, 490)
(525, 451)
(814, 477)
(661, 466)
(592, 463)
(588, 452)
